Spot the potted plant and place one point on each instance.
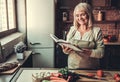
(19, 50)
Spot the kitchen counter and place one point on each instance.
(111, 43)
(25, 74)
(13, 58)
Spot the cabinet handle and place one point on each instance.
(34, 43)
(35, 53)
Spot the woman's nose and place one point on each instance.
(79, 17)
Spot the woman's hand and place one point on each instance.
(84, 53)
(67, 50)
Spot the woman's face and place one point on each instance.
(81, 17)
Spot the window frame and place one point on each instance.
(10, 31)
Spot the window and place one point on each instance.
(7, 17)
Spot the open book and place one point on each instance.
(65, 43)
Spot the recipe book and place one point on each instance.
(65, 43)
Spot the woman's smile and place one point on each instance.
(81, 17)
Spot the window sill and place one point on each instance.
(9, 41)
(10, 38)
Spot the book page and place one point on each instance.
(65, 43)
(71, 46)
(57, 39)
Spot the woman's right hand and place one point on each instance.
(67, 50)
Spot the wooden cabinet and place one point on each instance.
(60, 58)
(111, 59)
(28, 62)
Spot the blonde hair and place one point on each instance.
(86, 8)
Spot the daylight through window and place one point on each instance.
(7, 15)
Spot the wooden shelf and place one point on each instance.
(68, 22)
(104, 8)
(65, 8)
(100, 22)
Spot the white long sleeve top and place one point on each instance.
(91, 40)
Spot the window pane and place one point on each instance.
(11, 14)
(3, 15)
(7, 15)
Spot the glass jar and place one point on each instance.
(65, 15)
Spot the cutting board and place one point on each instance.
(106, 78)
(11, 71)
(26, 75)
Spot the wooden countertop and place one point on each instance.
(25, 74)
(13, 58)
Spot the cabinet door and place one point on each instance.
(60, 58)
(111, 59)
(43, 58)
(114, 61)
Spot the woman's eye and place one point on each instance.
(83, 14)
(77, 15)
